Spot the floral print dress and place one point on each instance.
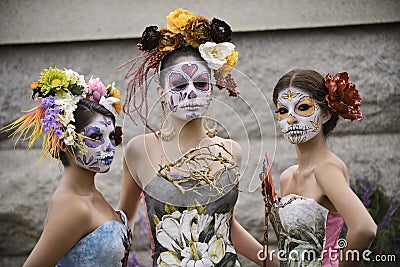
(191, 228)
(309, 233)
(107, 246)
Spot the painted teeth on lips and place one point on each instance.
(107, 160)
(297, 130)
(192, 106)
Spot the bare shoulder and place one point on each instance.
(286, 176)
(138, 145)
(329, 168)
(134, 143)
(68, 219)
(63, 205)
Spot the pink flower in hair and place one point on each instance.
(96, 89)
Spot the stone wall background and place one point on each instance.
(370, 53)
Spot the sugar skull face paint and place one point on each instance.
(299, 116)
(100, 145)
(188, 90)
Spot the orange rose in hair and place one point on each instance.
(343, 97)
(178, 19)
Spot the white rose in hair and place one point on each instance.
(108, 102)
(215, 54)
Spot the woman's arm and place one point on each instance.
(331, 178)
(247, 245)
(130, 195)
(61, 231)
(243, 241)
(130, 191)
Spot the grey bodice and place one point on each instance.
(192, 227)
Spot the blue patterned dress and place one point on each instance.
(108, 246)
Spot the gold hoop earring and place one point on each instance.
(167, 130)
(211, 131)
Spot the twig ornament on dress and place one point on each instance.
(58, 92)
(212, 38)
(198, 162)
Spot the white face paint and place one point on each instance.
(100, 147)
(299, 116)
(188, 90)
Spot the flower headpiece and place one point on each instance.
(343, 97)
(58, 92)
(212, 38)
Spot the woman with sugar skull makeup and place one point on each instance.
(77, 120)
(315, 194)
(186, 175)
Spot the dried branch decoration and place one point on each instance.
(198, 161)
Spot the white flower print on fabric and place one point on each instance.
(194, 239)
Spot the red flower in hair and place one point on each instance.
(343, 97)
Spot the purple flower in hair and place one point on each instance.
(47, 102)
(57, 131)
(49, 120)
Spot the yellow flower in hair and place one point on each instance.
(232, 59)
(53, 81)
(178, 19)
(230, 64)
(115, 93)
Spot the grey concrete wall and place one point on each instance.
(370, 53)
(26, 21)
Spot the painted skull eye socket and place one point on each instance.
(282, 111)
(203, 86)
(202, 82)
(305, 107)
(94, 136)
(177, 82)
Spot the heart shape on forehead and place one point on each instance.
(189, 69)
